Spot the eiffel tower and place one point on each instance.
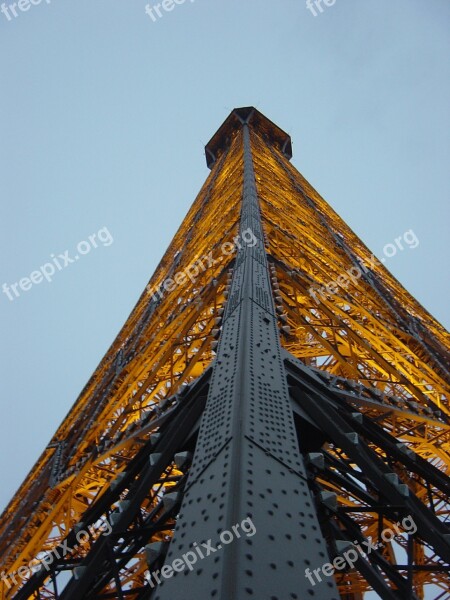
(271, 423)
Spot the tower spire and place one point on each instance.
(247, 450)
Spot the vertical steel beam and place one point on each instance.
(247, 476)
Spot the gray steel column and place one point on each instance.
(247, 466)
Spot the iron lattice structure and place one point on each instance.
(249, 390)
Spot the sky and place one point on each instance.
(105, 113)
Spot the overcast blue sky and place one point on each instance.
(104, 115)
